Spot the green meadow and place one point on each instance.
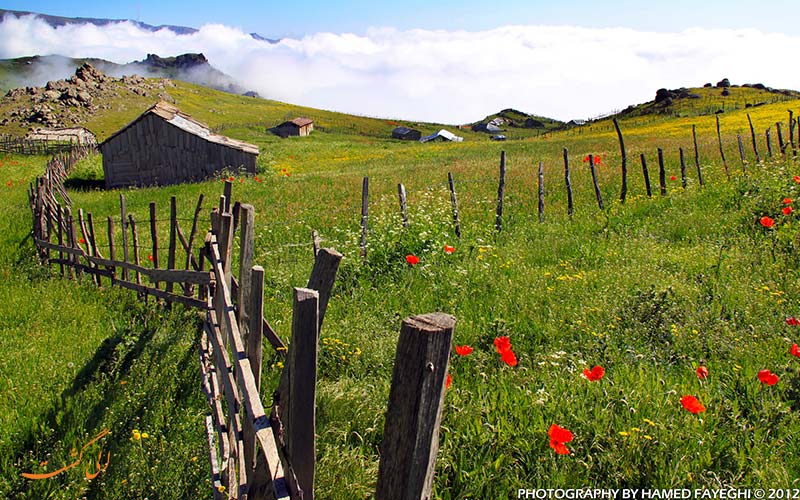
(650, 290)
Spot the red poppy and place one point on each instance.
(692, 404)
(787, 210)
(448, 249)
(594, 374)
(796, 179)
(792, 321)
(559, 436)
(502, 344)
(463, 350)
(508, 357)
(767, 222)
(702, 372)
(767, 377)
(81, 240)
(231, 178)
(150, 258)
(673, 178)
(795, 351)
(412, 259)
(787, 201)
(9, 184)
(448, 381)
(241, 181)
(257, 179)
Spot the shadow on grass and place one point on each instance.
(138, 373)
(77, 184)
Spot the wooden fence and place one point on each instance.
(23, 146)
(255, 451)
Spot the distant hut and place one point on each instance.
(78, 136)
(299, 126)
(442, 135)
(489, 128)
(406, 134)
(165, 146)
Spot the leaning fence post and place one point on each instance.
(254, 353)
(173, 230)
(646, 175)
(111, 253)
(683, 168)
(124, 225)
(781, 144)
(541, 191)
(624, 191)
(302, 369)
(401, 194)
(568, 183)
(135, 235)
(753, 136)
(364, 215)
(742, 155)
(411, 431)
(454, 204)
(154, 237)
(721, 151)
(768, 139)
(323, 277)
(697, 157)
(597, 193)
(662, 173)
(501, 191)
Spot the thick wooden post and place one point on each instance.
(154, 237)
(683, 168)
(646, 176)
(227, 192)
(401, 194)
(323, 277)
(697, 157)
(501, 191)
(753, 137)
(302, 391)
(60, 222)
(721, 151)
(791, 133)
(568, 183)
(541, 191)
(454, 203)
(411, 432)
(364, 215)
(111, 251)
(597, 193)
(662, 173)
(624, 190)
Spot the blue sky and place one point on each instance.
(278, 19)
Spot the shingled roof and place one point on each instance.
(176, 117)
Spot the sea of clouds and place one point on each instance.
(444, 76)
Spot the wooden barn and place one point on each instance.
(299, 126)
(77, 135)
(164, 146)
(406, 134)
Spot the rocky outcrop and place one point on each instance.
(67, 102)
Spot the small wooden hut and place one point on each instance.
(299, 126)
(78, 136)
(406, 134)
(165, 146)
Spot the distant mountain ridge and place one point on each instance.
(193, 68)
(58, 21)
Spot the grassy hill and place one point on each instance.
(650, 290)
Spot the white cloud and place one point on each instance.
(447, 76)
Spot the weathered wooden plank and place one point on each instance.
(269, 332)
(246, 250)
(213, 460)
(624, 190)
(597, 193)
(253, 345)
(161, 294)
(568, 183)
(646, 175)
(135, 236)
(541, 191)
(411, 431)
(722, 151)
(697, 157)
(154, 236)
(662, 173)
(753, 137)
(683, 167)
